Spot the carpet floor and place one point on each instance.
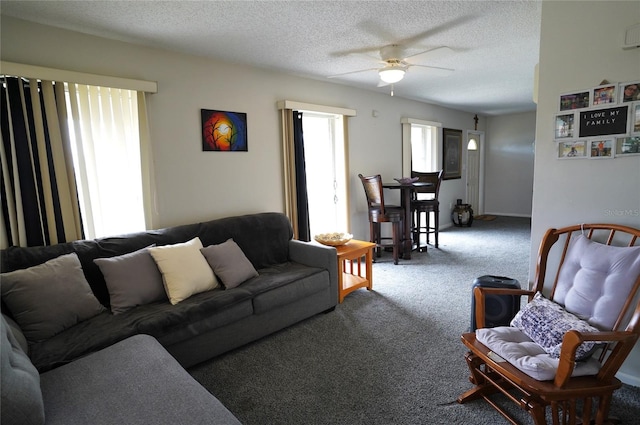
(387, 356)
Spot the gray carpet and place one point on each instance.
(387, 356)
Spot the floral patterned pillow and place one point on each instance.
(546, 322)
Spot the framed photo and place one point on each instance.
(451, 154)
(224, 131)
(565, 126)
(604, 95)
(635, 119)
(578, 100)
(601, 148)
(627, 146)
(630, 91)
(574, 149)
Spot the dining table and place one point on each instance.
(406, 191)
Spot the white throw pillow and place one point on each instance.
(185, 271)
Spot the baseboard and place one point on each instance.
(632, 380)
(507, 214)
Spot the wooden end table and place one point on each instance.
(351, 274)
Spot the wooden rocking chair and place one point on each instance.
(597, 278)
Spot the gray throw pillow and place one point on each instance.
(229, 263)
(49, 298)
(132, 279)
(21, 397)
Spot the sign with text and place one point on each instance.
(602, 122)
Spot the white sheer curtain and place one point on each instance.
(105, 131)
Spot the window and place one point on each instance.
(421, 149)
(105, 143)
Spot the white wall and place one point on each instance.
(195, 185)
(580, 47)
(509, 164)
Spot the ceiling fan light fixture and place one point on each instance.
(391, 74)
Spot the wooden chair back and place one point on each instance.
(435, 178)
(374, 192)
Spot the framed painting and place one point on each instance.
(451, 154)
(572, 149)
(224, 131)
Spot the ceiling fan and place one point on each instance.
(395, 64)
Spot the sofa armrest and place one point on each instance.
(316, 255)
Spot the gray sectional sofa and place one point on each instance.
(294, 281)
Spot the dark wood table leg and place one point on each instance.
(406, 204)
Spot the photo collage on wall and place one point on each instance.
(599, 123)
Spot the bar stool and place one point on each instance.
(426, 205)
(381, 213)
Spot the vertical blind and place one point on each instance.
(72, 164)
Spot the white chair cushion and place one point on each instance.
(518, 349)
(595, 280)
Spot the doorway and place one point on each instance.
(325, 164)
(475, 149)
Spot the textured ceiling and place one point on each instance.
(494, 44)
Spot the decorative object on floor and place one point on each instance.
(462, 214)
(406, 180)
(224, 131)
(593, 286)
(452, 153)
(333, 239)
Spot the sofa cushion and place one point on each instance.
(49, 298)
(285, 283)
(264, 237)
(162, 320)
(17, 333)
(546, 322)
(184, 269)
(135, 381)
(132, 279)
(21, 398)
(229, 263)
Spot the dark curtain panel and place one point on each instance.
(23, 167)
(301, 179)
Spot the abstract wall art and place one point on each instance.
(224, 131)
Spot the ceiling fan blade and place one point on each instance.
(431, 54)
(435, 30)
(352, 72)
(435, 70)
(369, 51)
